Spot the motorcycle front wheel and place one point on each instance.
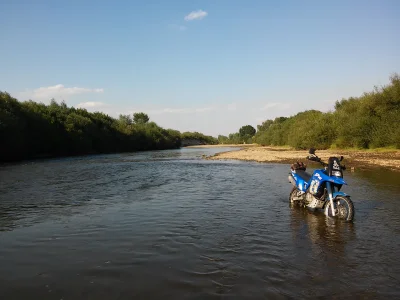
(344, 208)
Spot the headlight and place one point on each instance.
(337, 173)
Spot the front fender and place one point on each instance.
(338, 180)
(334, 195)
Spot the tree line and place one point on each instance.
(369, 121)
(32, 130)
(199, 138)
(243, 136)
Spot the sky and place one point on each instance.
(208, 66)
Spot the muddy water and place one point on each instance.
(169, 225)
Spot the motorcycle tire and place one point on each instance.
(292, 194)
(345, 211)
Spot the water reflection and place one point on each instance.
(327, 237)
(117, 226)
(380, 178)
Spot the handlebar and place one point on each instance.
(317, 159)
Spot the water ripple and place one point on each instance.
(169, 225)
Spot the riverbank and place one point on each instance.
(352, 158)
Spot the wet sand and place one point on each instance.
(352, 158)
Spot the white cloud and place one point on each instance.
(276, 106)
(196, 15)
(56, 91)
(91, 104)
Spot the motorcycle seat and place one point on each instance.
(303, 174)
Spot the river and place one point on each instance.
(170, 225)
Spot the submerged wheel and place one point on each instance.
(293, 195)
(344, 208)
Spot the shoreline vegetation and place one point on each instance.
(353, 158)
(31, 130)
(365, 130)
(369, 121)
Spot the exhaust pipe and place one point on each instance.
(292, 181)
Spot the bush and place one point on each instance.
(29, 129)
(369, 121)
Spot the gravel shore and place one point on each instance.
(352, 158)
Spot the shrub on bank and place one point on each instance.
(29, 130)
(369, 121)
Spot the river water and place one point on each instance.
(169, 225)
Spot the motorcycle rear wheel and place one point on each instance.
(344, 208)
(292, 195)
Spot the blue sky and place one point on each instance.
(209, 66)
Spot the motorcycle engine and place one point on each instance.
(313, 202)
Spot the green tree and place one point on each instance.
(125, 119)
(247, 130)
(265, 125)
(235, 138)
(140, 118)
(246, 133)
(222, 139)
(198, 137)
(368, 121)
(29, 130)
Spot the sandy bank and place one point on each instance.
(357, 159)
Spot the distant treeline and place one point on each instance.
(245, 135)
(198, 138)
(31, 130)
(369, 121)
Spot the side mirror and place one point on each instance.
(312, 151)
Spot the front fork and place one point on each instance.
(330, 195)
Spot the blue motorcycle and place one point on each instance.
(321, 190)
